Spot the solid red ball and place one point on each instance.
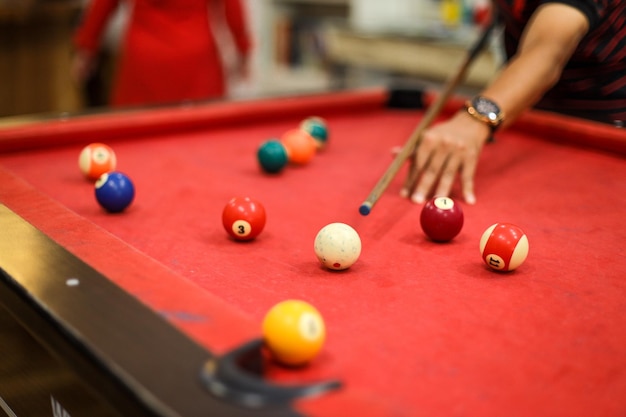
(243, 218)
(441, 219)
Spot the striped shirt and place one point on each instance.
(593, 83)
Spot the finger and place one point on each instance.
(431, 159)
(419, 160)
(424, 150)
(430, 174)
(468, 172)
(411, 179)
(448, 175)
(395, 151)
(413, 174)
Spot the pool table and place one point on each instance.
(157, 311)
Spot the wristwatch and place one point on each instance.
(486, 111)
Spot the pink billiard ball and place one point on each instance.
(243, 218)
(441, 219)
(504, 246)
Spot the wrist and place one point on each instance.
(475, 128)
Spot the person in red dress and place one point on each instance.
(169, 51)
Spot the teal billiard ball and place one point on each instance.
(272, 156)
(114, 191)
(316, 127)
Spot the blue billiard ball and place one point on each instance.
(114, 191)
(272, 156)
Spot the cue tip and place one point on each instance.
(365, 208)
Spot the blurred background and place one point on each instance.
(299, 47)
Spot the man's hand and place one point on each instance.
(445, 150)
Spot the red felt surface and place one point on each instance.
(414, 327)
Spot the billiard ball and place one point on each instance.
(293, 332)
(272, 156)
(243, 218)
(114, 191)
(337, 246)
(300, 146)
(95, 159)
(441, 219)
(318, 128)
(504, 246)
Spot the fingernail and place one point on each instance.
(417, 198)
(404, 193)
(470, 199)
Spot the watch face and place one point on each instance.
(487, 108)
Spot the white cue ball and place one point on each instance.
(337, 246)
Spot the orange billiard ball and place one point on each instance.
(243, 218)
(504, 247)
(96, 159)
(294, 332)
(300, 145)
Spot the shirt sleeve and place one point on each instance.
(94, 21)
(237, 23)
(594, 10)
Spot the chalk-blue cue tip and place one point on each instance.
(365, 209)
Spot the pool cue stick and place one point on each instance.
(431, 113)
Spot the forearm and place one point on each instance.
(238, 25)
(94, 20)
(547, 46)
(522, 83)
